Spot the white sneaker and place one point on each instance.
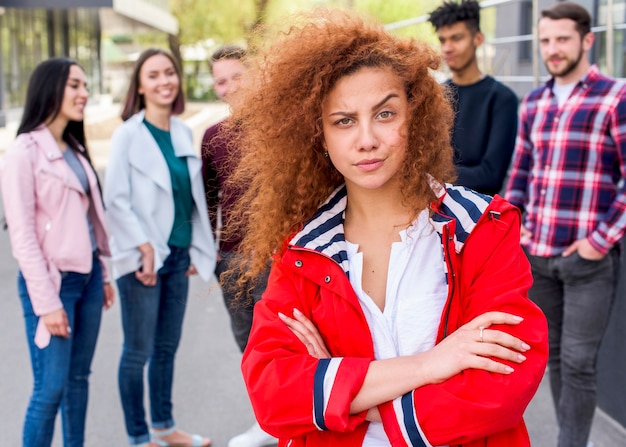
(253, 437)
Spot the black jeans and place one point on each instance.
(239, 308)
(576, 296)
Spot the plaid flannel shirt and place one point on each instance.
(569, 165)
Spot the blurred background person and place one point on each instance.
(485, 119)
(55, 218)
(219, 159)
(160, 235)
(568, 178)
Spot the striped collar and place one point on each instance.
(324, 232)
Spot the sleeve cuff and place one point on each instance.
(337, 381)
(599, 243)
(401, 424)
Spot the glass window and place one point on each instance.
(618, 13)
(526, 27)
(29, 36)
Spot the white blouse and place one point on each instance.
(415, 297)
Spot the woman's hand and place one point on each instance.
(146, 274)
(191, 271)
(472, 346)
(57, 324)
(475, 346)
(307, 333)
(109, 295)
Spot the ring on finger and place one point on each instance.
(481, 329)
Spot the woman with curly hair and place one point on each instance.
(396, 311)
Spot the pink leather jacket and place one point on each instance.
(45, 207)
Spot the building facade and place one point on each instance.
(89, 31)
(515, 58)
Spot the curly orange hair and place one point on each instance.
(278, 122)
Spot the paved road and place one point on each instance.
(209, 395)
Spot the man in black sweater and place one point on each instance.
(485, 122)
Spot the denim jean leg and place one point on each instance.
(139, 307)
(547, 293)
(42, 407)
(51, 365)
(173, 302)
(87, 317)
(589, 288)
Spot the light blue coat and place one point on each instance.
(139, 200)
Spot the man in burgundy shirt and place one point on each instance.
(218, 160)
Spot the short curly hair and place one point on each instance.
(278, 120)
(449, 13)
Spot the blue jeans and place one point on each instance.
(576, 296)
(152, 320)
(61, 369)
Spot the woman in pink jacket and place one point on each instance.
(396, 311)
(55, 218)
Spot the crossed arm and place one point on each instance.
(468, 347)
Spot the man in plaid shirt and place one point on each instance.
(567, 177)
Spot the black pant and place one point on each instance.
(576, 296)
(240, 308)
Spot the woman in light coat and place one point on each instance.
(160, 235)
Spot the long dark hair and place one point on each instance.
(135, 102)
(44, 98)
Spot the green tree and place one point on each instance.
(398, 10)
(220, 20)
(232, 21)
(210, 23)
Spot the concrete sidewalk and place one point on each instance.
(208, 387)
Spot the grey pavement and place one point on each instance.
(209, 394)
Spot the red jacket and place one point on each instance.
(306, 401)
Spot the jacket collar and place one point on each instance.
(324, 232)
(177, 131)
(461, 205)
(45, 140)
(146, 156)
